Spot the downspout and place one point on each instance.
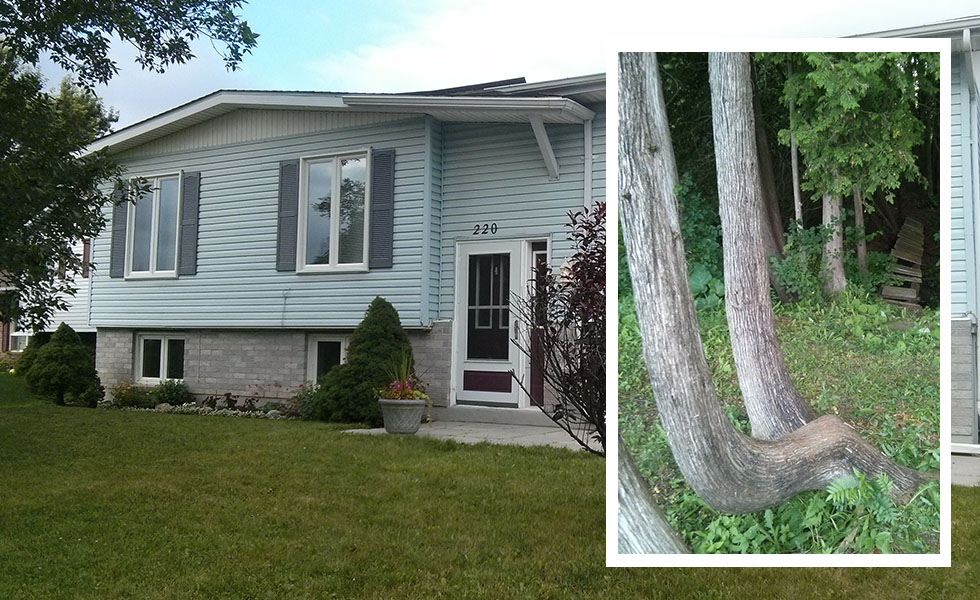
(975, 201)
(973, 361)
(587, 193)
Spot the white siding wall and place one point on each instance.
(237, 284)
(76, 316)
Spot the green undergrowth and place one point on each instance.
(875, 365)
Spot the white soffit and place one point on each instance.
(444, 108)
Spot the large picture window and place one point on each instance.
(153, 226)
(333, 213)
(159, 357)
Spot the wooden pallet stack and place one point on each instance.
(908, 266)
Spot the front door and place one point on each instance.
(488, 277)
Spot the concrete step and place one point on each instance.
(485, 414)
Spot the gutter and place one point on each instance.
(971, 120)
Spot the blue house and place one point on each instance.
(964, 36)
(274, 218)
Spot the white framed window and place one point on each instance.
(18, 339)
(159, 357)
(153, 227)
(334, 199)
(323, 352)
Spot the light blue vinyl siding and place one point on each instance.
(599, 153)
(962, 269)
(237, 284)
(494, 173)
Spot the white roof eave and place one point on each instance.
(550, 110)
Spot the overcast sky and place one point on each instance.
(401, 45)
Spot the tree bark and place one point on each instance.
(773, 404)
(797, 200)
(862, 244)
(773, 237)
(643, 528)
(727, 469)
(833, 250)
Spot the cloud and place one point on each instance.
(452, 44)
(137, 94)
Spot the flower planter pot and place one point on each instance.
(402, 416)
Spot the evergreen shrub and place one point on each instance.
(348, 393)
(64, 370)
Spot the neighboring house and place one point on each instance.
(76, 314)
(965, 214)
(274, 218)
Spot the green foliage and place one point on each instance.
(305, 401)
(854, 515)
(78, 40)
(53, 192)
(800, 272)
(51, 195)
(64, 370)
(348, 393)
(8, 361)
(127, 395)
(874, 364)
(857, 117)
(701, 231)
(172, 392)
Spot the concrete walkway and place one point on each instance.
(475, 433)
(966, 470)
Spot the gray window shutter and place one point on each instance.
(382, 209)
(117, 252)
(190, 195)
(288, 210)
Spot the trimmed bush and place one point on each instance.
(126, 395)
(172, 392)
(64, 370)
(30, 352)
(348, 393)
(8, 361)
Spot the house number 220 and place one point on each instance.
(485, 228)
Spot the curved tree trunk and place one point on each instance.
(643, 529)
(727, 469)
(833, 251)
(773, 404)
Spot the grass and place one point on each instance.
(106, 504)
(874, 365)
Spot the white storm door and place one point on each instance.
(488, 276)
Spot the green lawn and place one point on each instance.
(109, 504)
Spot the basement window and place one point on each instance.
(159, 357)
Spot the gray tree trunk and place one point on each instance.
(862, 245)
(727, 469)
(773, 404)
(773, 237)
(834, 280)
(643, 528)
(797, 200)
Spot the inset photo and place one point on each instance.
(779, 303)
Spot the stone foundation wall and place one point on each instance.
(963, 391)
(268, 365)
(433, 351)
